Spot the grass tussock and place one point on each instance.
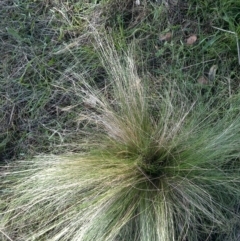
(164, 166)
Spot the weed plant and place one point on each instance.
(163, 165)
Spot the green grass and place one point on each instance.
(154, 154)
(34, 78)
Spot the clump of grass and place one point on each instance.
(163, 165)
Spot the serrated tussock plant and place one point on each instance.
(163, 166)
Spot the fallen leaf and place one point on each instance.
(90, 101)
(191, 40)
(137, 2)
(202, 80)
(212, 72)
(165, 37)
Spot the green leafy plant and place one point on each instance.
(162, 164)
